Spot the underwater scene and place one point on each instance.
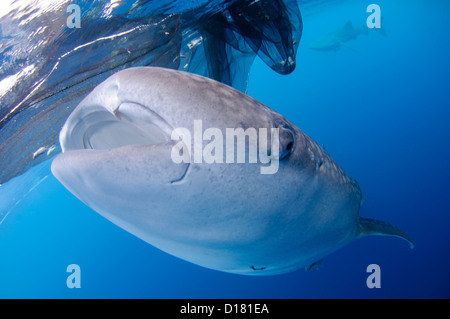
(103, 196)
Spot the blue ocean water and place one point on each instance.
(380, 109)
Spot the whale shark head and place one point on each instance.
(208, 174)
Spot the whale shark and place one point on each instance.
(334, 40)
(116, 158)
(48, 67)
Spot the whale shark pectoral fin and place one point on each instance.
(348, 26)
(368, 226)
(314, 266)
(349, 47)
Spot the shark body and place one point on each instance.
(333, 41)
(229, 217)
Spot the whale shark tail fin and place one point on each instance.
(368, 226)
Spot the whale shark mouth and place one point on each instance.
(99, 128)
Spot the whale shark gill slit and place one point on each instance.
(182, 176)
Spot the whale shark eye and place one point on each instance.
(287, 139)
